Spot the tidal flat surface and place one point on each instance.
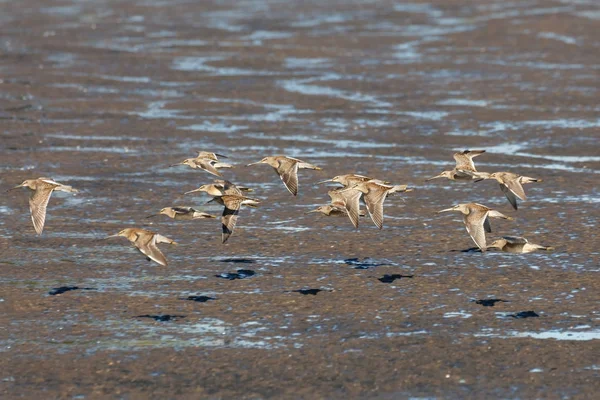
(105, 95)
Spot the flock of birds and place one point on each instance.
(345, 200)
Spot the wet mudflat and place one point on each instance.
(105, 95)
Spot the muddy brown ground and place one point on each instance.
(105, 95)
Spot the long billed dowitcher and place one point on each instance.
(220, 187)
(42, 189)
(348, 197)
(287, 169)
(183, 213)
(207, 165)
(464, 169)
(339, 198)
(232, 203)
(146, 242)
(374, 194)
(349, 179)
(476, 219)
(516, 244)
(511, 185)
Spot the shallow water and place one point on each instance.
(106, 95)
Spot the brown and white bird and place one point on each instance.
(349, 179)
(512, 185)
(287, 169)
(232, 204)
(182, 213)
(464, 169)
(476, 219)
(220, 187)
(146, 242)
(516, 244)
(333, 210)
(41, 190)
(349, 198)
(208, 165)
(374, 194)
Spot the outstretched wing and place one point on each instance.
(337, 198)
(288, 172)
(512, 199)
(182, 210)
(351, 197)
(515, 239)
(38, 201)
(464, 159)
(147, 245)
(515, 186)
(207, 165)
(374, 200)
(474, 223)
(229, 216)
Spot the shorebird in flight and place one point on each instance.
(146, 242)
(232, 204)
(464, 169)
(41, 190)
(476, 219)
(287, 169)
(512, 185)
(182, 213)
(516, 244)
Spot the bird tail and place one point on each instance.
(304, 165)
(399, 188)
(222, 165)
(526, 179)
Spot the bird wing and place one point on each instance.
(146, 243)
(486, 225)
(374, 200)
(351, 197)
(475, 227)
(38, 201)
(229, 216)
(162, 239)
(207, 166)
(336, 197)
(515, 186)
(464, 159)
(232, 189)
(515, 239)
(182, 210)
(512, 199)
(288, 172)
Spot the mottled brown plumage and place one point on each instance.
(476, 219)
(220, 187)
(287, 169)
(464, 169)
(232, 204)
(206, 164)
(516, 244)
(512, 185)
(42, 189)
(374, 194)
(146, 242)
